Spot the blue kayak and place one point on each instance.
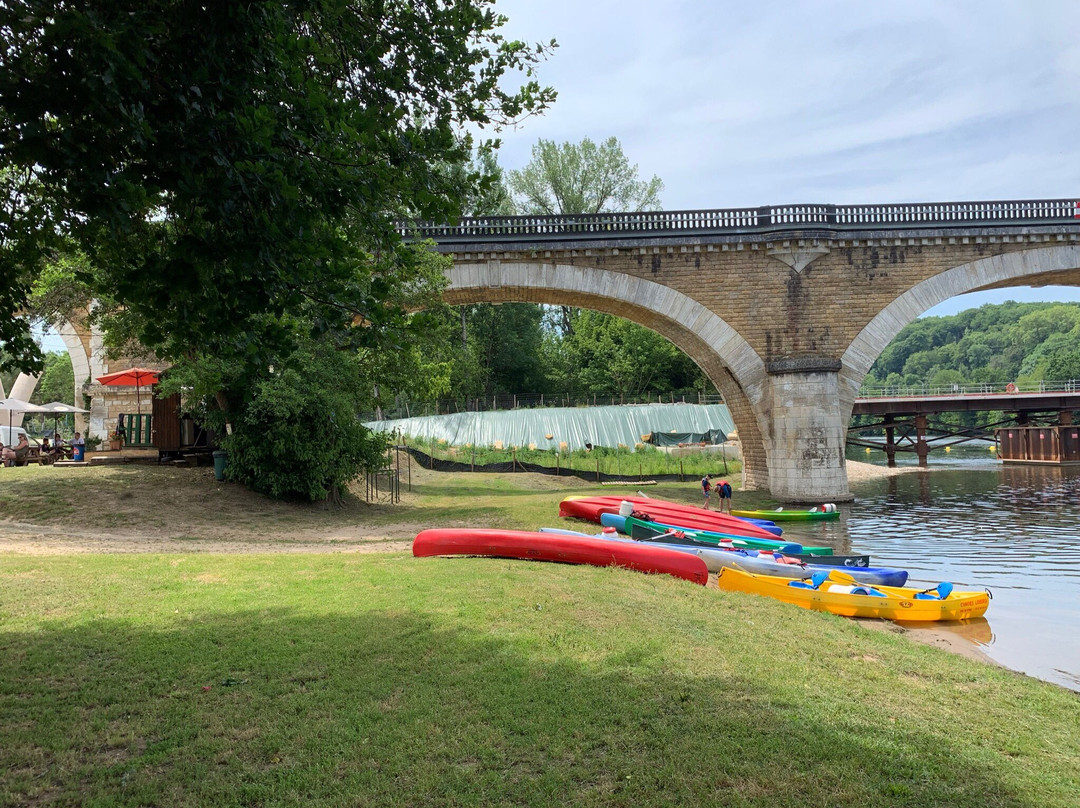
(762, 564)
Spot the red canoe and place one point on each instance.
(554, 547)
(662, 510)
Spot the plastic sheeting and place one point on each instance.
(574, 426)
(679, 438)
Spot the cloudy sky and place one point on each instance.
(735, 103)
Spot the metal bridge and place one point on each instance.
(903, 414)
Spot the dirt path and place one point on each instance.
(52, 540)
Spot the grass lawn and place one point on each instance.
(377, 679)
(360, 679)
(149, 501)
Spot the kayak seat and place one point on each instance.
(939, 592)
(815, 582)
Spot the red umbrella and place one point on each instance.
(132, 377)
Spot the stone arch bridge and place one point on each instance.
(785, 308)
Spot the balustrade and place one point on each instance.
(753, 220)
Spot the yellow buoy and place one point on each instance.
(948, 448)
(990, 448)
(868, 450)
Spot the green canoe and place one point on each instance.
(789, 516)
(642, 530)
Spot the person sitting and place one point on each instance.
(45, 451)
(22, 450)
(78, 446)
(7, 455)
(60, 447)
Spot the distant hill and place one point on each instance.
(995, 343)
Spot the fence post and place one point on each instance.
(513, 458)
(681, 472)
(598, 468)
(556, 464)
(472, 463)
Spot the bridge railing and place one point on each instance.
(1010, 388)
(749, 220)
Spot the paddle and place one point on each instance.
(843, 578)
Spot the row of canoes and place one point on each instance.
(689, 543)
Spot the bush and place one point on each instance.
(299, 436)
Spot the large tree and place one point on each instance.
(589, 178)
(233, 177)
(220, 162)
(582, 178)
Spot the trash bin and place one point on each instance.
(78, 453)
(220, 459)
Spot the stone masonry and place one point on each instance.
(785, 328)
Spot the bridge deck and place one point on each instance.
(969, 402)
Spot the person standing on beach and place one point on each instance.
(723, 495)
(706, 489)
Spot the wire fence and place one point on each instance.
(512, 401)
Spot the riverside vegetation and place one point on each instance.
(644, 461)
(343, 678)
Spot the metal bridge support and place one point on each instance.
(806, 450)
(921, 448)
(890, 440)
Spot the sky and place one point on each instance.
(734, 103)
(738, 104)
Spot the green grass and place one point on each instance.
(644, 461)
(344, 679)
(188, 502)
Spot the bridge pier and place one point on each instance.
(890, 441)
(922, 449)
(806, 450)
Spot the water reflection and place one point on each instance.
(977, 523)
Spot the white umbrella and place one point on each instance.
(58, 408)
(18, 405)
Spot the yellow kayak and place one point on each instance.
(840, 594)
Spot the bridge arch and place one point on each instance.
(83, 348)
(721, 353)
(995, 271)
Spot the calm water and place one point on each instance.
(977, 523)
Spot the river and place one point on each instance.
(973, 521)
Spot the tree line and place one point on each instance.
(992, 344)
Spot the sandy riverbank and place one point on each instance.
(857, 472)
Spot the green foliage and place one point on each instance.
(57, 383)
(640, 461)
(606, 355)
(226, 179)
(993, 344)
(221, 162)
(1064, 364)
(299, 435)
(581, 178)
